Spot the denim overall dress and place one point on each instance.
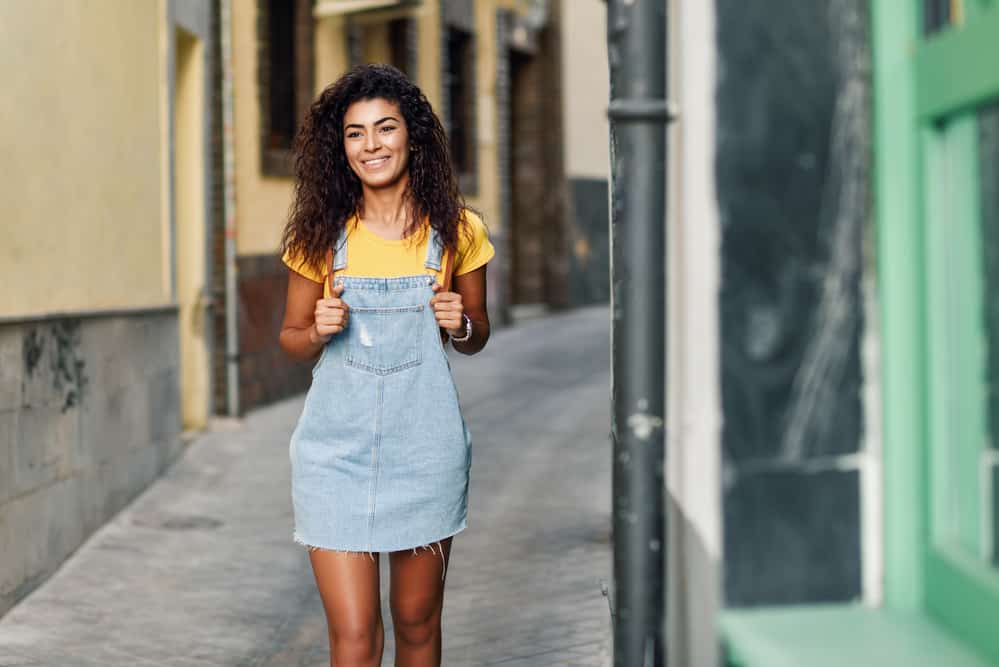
(380, 457)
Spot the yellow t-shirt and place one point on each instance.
(371, 255)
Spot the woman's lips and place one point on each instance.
(375, 163)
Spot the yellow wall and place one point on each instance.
(375, 43)
(428, 64)
(82, 181)
(486, 199)
(261, 202)
(332, 58)
(190, 136)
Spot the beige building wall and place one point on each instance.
(375, 42)
(189, 221)
(332, 58)
(486, 199)
(83, 220)
(429, 62)
(374, 26)
(586, 82)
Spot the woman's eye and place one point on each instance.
(353, 135)
(387, 128)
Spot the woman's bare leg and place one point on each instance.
(348, 586)
(417, 597)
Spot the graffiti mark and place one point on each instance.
(68, 369)
(32, 350)
(68, 376)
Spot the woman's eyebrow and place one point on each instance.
(377, 122)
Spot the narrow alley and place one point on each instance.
(201, 569)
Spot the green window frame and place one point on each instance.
(927, 92)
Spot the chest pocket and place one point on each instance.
(384, 340)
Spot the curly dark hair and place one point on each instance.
(328, 192)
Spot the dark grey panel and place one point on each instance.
(792, 537)
(793, 172)
(195, 16)
(589, 250)
(459, 14)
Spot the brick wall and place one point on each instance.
(266, 373)
(538, 190)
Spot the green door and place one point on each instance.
(937, 149)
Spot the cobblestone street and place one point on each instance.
(201, 568)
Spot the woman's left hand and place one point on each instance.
(448, 310)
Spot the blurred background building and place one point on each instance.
(147, 152)
(106, 199)
(524, 112)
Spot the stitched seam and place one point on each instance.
(350, 361)
(322, 355)
(387, 311)
(375, 462)
(385, 284)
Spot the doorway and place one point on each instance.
(529, 289)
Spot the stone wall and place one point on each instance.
(89, 417)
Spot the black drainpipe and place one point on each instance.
(636, 37)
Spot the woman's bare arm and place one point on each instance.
(309, 319)
(471, 290)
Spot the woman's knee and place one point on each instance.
(416, 625)
(356, 641)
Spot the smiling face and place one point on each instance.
(376, 142)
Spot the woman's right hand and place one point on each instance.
(331, 317)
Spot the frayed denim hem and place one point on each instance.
(429, 545)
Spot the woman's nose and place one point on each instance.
(371, 143)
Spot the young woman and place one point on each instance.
(385, 265)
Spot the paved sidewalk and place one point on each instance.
(201, 568)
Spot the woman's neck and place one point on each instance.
(386, 210)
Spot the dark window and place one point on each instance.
(400, 44)
(936, 15)
(461, 97)
(285, 77)
(281, 66)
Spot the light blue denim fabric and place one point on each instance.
(380, 456)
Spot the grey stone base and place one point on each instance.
(89, 416)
